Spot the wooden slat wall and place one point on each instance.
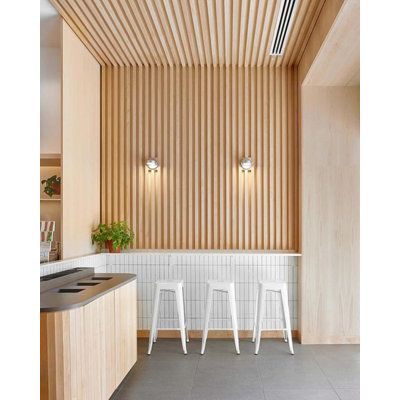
(199, 122)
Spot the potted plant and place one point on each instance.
(53, 185)
(115, 236)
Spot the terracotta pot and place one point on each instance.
(110, 247)
(56, 187)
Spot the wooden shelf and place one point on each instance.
(50, 199)
(50, 160)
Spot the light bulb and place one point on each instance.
(246, 163)
(152, 164)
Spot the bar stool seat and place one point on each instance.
(263, 288)
(227, 287)
(169, 285)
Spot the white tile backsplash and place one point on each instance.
(245, 269)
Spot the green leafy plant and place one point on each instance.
(101, 235)
(116, 236)
(53, 185)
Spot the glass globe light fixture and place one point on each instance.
(152, 164)
(246, 164)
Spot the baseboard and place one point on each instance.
(213, 334)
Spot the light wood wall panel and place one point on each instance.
(86, 352)
(187, 32)
(330, 262)
(80, 145)
(199, 122)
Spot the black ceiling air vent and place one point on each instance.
(283, 25)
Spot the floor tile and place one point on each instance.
(348, 394)
(313, 373)
(324, 394)
(292, 373)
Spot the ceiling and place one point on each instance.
(338, 60)
(187, 32)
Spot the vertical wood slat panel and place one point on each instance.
(199, 122)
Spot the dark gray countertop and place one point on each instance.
(85, 288)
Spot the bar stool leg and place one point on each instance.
(285, 304)
(260, 313)
(232, 301)
(184, 309)
(206, 319)
(285, 336)
(181, 316)
(156, 303)
(255, 317)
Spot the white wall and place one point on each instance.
(50, 100)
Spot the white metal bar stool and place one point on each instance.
(227, 287)
(263, 288)
(175, 286)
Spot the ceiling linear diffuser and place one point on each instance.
(283, 25)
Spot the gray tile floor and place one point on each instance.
(323, 372)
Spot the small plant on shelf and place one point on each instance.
(115, 236)
(52, 185)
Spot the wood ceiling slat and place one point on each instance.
(183, 31)
(75, 22)
(199, 38)
(187, 32)
(213, 31)
(268, 59)
(120, 29)
(254, 4)
(228, 32)
(220, 20)
(168, 50)
(186, 10)
(133, 31)
(204, 27)
(174, 33)
(149, 31)
(243, 32)
(147, 46)
(266, 32)
(103, 22)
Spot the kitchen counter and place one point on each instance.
(77, 288)
(86, 317)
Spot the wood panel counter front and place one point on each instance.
(87, 351)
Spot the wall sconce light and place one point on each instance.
(152, 164)
(246, 164)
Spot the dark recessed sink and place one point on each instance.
(69, 290)
(87, 283)
(100, 278)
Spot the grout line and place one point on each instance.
(323, 372)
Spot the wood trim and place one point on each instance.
(213, 334)
(199, 123)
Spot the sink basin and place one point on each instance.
(69, 290)
(101, 278)
(87, 283)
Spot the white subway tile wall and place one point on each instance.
(97, 261)
(246, 270)
(195, 270)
